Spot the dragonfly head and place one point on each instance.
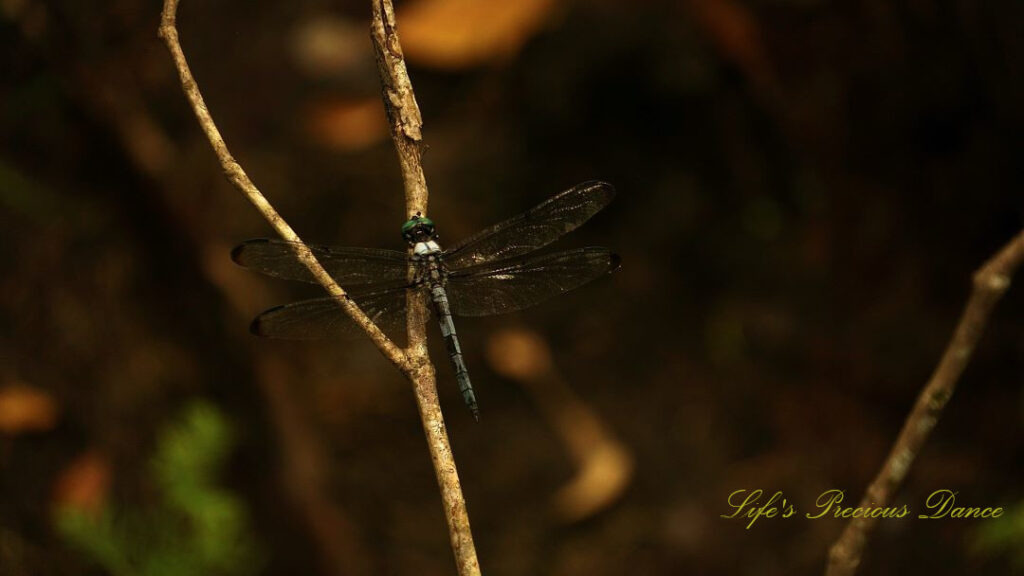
(419, 229)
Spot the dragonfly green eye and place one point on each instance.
(420, 223)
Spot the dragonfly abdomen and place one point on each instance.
(451, 340)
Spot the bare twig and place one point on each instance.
(238, 177)
(406, 130)
(414, 362)
(990, 282)
(303, 475)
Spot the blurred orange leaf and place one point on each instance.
(83, 484)
(519, 354)
(347, 124)
(26, 409)
(455, 34)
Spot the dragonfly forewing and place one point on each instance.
(533, 229)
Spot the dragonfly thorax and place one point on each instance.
(422, 249)
(430, 268)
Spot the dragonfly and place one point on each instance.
(494, 271)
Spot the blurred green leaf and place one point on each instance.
(197, 528)
(1003, 535)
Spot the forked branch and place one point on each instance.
(990, 282)
(414, 362)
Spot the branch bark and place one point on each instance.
(406, 130)
(990, 282)
(414, 362)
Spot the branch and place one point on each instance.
(990, 282)
(169, 33)
(405, 120)
(406, 130)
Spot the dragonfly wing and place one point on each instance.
(534, 228)
(510, 285)
(348, 266)
(324, 317)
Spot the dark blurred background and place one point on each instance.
(805, 188)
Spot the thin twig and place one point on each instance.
(990, 282)
(414, 362)
(238, 177)
(406, 130)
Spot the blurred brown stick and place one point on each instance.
(604, 465)
(113, 95)
(990, 282)
(413, 362)
(304, 457)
